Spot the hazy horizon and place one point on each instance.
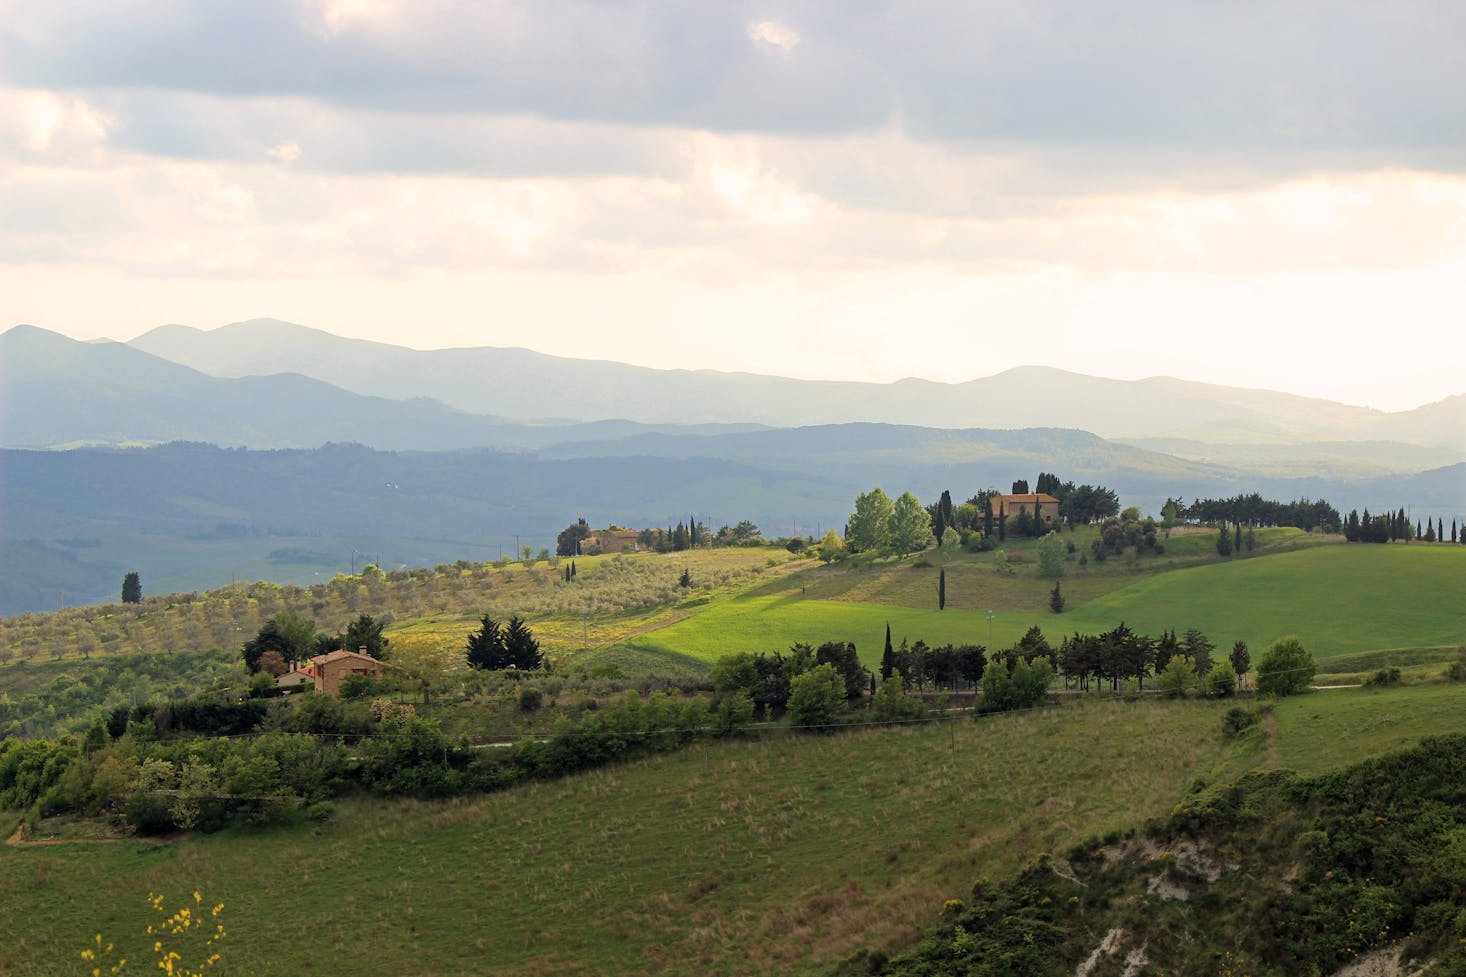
(801, 188)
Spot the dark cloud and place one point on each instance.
(1210, 77)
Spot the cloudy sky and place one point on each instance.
(1266, 194)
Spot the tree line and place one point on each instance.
(1396, 526)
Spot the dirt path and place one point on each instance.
(1272, 756)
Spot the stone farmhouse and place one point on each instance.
(324, 673)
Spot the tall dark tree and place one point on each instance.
(842, 656)
(944, 506)
(1453, 530)
(1164, 650)
(521, 646)
(366, 632)
(1048, 484)
(1240, 659)
(1002, 521)
(1224, 542)
(942, 590)
(570, 538)
(132, 588)
(486, 646)
(1056, 599)
(1237, 540)
(1020, 486)
(888, 657)
(1199, 647)
(293, 636)
(1440, 529)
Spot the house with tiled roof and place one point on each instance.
(1034, 503)
(326, 672)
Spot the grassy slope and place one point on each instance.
(1338, 599)
(779, 856)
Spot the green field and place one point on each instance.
(1338, 599)
(777, 856)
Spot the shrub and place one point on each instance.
(1236, 720)
(530, 699)
(816, 697)
(1385, 676)
(1178, 677)
(1286, 668)
(1221, 681)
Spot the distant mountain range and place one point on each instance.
(56, 392)
(271, 384)
(524, 384)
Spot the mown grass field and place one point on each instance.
(1339, 600)
(777, 856)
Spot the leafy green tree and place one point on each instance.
(816, 697)
(1051, 556)
(870, 525)
(1178, 677)
(291, 635)
(831, 548)
(910, 527)
(1221, 681)
(842, 657)
(1286, 668)
(132, 588)
(366, 632)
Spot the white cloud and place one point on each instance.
(774, 34)
(286, 152)
(47, 123)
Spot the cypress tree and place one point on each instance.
(1002, 521)
(1440, 529)
(1418, 533)
(1224, 542)
(132, 588)
(1237, 540)
(942, 590)
(1453, 530)
(1056, 599)
(888, 657)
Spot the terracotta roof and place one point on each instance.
(339, 655)
(1030, 498)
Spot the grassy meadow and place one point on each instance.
(1340, 600)
(781, 855)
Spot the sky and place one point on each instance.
(1259, 194)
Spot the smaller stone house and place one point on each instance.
(1035, 503)
(614, 541)
(326, 672)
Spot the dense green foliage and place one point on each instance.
(1273, 875)
(1286, 668)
